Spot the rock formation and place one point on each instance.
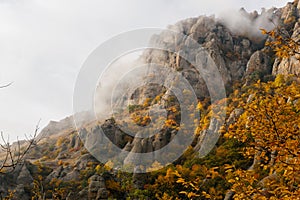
(97, 189)
(290, 15)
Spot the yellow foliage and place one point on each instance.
(147, 102)
(10, 195)
(113, 185)
(270, 129)
(109, 165)
(171, 123)
(60, 162)
(155, 166)
(98, 169)
(60, 141)
(282, 44)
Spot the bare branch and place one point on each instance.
(3, 86)
(16, 156)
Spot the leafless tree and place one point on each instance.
(13, 156)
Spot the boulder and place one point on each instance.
(259, 62)
(97, 189)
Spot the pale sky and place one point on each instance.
(44, 43)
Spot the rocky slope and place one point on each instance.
(290, 15)
(241, 57)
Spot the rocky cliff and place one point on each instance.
(290, 17)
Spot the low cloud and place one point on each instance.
(249, 24)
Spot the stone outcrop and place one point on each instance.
(290, 16)
(259, 62)
(56, 127)
(17, 181)
(97, 189)
(230, 52)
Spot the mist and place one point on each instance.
(240, 22)
(109, 89)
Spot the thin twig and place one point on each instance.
(3, 86)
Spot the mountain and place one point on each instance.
(60, 167)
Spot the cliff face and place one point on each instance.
(231, 52)
(236, 46)
(238, 50)
(290, 16)
(239, 56)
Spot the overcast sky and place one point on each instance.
(44, 43)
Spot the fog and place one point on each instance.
(249, 24)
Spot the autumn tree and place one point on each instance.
(270, 129)
(282, 43)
